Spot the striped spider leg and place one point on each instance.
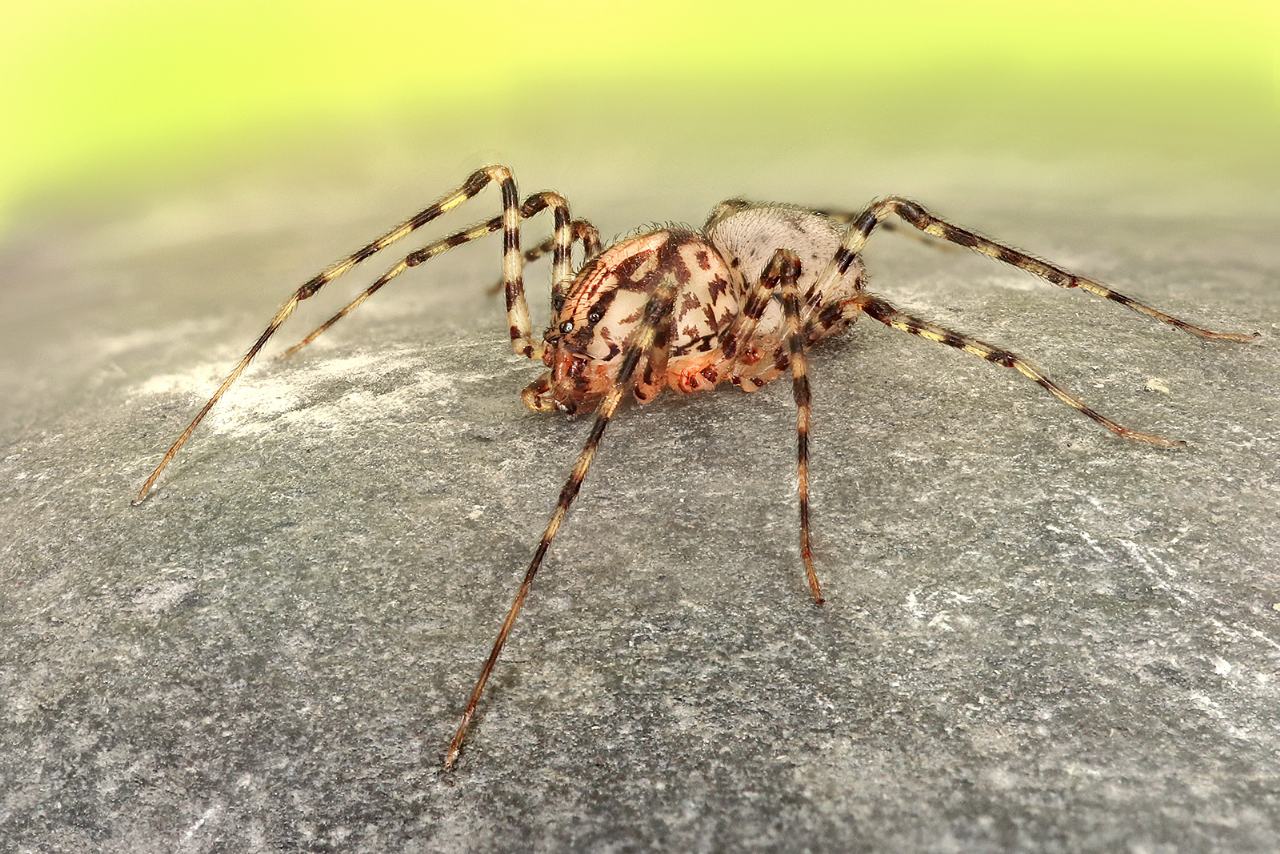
(881, 310)
(784, 271)
(522, 339)
(656, 315)
(915, 215)
(582, 231)
(847, 218)
(742, 350)
(577, 230)
(777, 280)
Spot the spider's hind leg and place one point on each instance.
(847, 218)
(890, 316)
(917, 216)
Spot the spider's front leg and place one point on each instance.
(522, 339)
(581, 230)
(657, 314)
(561, 241)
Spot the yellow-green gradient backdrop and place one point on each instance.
(101, 96)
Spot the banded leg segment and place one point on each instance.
(580, 231)
(782, 272)
(741, 356)
(915, 214)
(890, 316)
(532, 206)
(517, 309)
(849, 217)
(657, 313)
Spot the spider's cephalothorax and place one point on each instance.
(741, 301)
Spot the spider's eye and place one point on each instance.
(594, 317)
(566, 327)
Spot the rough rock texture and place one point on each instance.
(1037, 636)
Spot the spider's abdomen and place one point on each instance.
(747, 235)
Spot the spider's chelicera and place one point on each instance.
(741, 301)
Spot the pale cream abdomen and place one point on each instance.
(747, 236)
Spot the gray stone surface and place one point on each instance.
(1037, 637)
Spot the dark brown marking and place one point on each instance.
(843, 259)
(626, 269)
(866, 222)
(911, 212)
(1008, 255)
(801, 393)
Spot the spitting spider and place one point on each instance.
(740, 300)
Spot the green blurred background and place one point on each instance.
(107, 99)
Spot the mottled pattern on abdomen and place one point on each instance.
(748, 235)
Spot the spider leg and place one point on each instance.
(735, 343)
(915, 214)
(532, 206)
(784, 270)
(741, 356)
(582, 230)
(517, 309)
(657, 313)
(890, 316)
(840, 216)
(779, 278)
(653, 376)
(848, 217)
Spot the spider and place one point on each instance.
(740, 300)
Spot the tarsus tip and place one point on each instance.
(1238, 337)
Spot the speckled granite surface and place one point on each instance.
(1037, 637)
